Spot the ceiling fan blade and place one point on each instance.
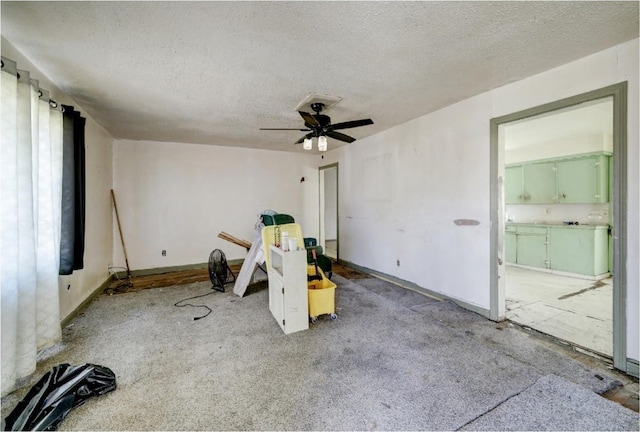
(309, 135)
(340, 136)
(352, 124)
(309, 119)
(295, 129)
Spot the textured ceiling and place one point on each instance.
(215, 72)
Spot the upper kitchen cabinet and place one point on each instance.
(540, 183)
(513, 185)
(583, 180)
(580, 179)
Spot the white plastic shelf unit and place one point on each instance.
(288, 301)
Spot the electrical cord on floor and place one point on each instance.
(199, 305)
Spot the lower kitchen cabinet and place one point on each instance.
(582, 251)
(531, 247)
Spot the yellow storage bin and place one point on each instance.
(321, 295)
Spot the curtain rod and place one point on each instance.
(12, 68)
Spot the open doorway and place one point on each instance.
(558, 276)
(329, 210)
(559, 232)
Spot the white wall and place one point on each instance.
(178, 197)
(401, 190)
(76, 288)
(561, 147)
(582, 213)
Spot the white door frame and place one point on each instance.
(321, 231)
(497, 296)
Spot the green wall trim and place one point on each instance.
(160, 270)
(632, 367)
(67, 320)
(415, 287)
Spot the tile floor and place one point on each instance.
(578, 311)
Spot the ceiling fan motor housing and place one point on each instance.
(322, 119)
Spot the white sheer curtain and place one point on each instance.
(30, 196)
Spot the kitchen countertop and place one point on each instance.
(559, 224)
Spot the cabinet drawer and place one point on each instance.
(532, 230)
(510, 228)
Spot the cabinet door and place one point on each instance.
(582, 251)
(296, 302)
(510, 247)
(513, 185)
(276, 297)
(540, 183)
(531, 250)
(583, 180)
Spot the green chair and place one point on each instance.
(277, 219)
(324, 262)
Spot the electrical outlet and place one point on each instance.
(164, 252)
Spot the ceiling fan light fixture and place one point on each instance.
(307, 144)
(322, 143)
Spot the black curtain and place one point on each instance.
(73, 192)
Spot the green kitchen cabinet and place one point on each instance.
(583, 180)
(540, 183)
(531, 246)
(580, 179)
(579, 250)
(513, 185)
(510, 247)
